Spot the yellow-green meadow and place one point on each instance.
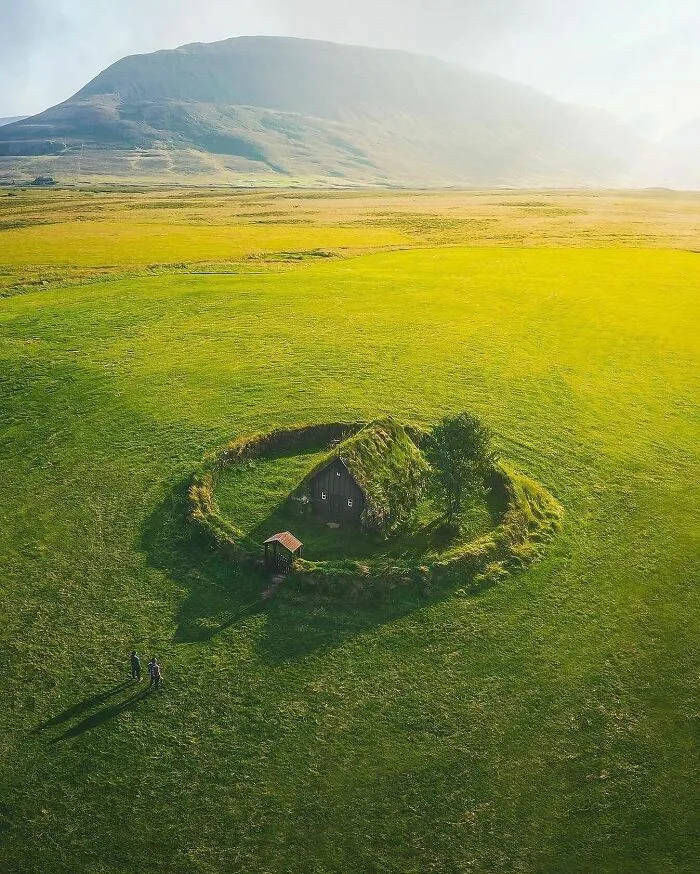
(545, 723)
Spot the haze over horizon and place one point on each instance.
(638, 60)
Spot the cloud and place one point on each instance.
(423, 25)
(24, 25)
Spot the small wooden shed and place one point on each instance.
(280, 552)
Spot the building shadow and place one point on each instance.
(220, 594)
(300, 625)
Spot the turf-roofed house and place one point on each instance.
(374, 478)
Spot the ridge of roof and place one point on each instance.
(387, 466)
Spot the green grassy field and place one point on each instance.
(545, 724)
(255, 498)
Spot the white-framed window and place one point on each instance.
(350, 503)
(323, 496)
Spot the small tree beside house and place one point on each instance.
(461, 455)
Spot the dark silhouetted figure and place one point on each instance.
(135, 666)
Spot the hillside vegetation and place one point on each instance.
(544, 723)
(259, 107)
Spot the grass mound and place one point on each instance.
(526, 518)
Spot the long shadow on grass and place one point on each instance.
(220, 595)
(97, 718)
(104, 715)
(82, 706)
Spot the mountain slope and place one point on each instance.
(301, 107)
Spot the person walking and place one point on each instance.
(135, 666)
(157, 675)
(154, 672)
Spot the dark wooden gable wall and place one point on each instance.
(335, 495)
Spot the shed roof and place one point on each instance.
(286, 539)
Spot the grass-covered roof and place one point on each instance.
(389, 468)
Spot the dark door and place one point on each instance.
(336, 507)
(282, 563)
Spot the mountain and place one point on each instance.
(302, 108)
(11, 119)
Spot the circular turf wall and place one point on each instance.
(531, 516)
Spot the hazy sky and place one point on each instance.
(638, 58)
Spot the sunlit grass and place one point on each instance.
(545, 724)
(127, 243)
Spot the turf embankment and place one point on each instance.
(528, 518)
(202, 509)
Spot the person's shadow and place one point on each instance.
(97, 718)
(104, 715)
(82, 706)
